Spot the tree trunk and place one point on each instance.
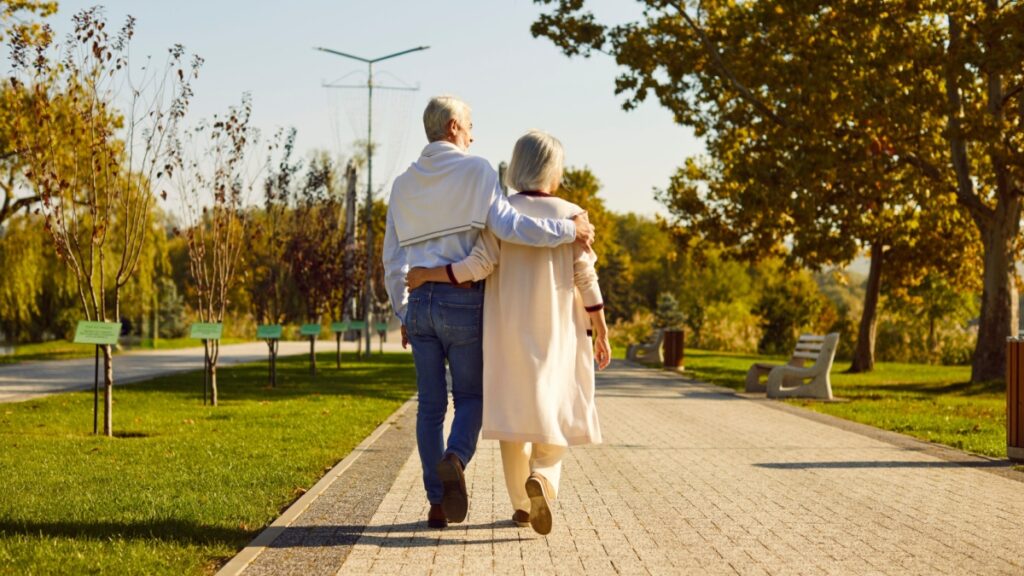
(214, 356)
(864, 354)
(108, 391)
(213, 382)
(998, 225)
(995, 323)
(931, 334)
(156, 319)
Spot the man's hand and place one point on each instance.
(405, 338)
(584, 229)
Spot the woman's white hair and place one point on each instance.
(441, 110)
(536, 163)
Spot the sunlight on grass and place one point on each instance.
(185, 486)
(934, 403)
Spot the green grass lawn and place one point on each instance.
(64, 350)
(934, 403)
(184, 486)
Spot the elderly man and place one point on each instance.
(437, 209)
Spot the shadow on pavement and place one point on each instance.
(882, 464)
(387, 536)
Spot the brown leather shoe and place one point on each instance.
(537, 488)
(521, 518)
(436, 517)
(455, 500)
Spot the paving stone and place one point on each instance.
(690, 480)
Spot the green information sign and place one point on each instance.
(339, 326)
(206, 331)
(269, 332)
(357, 325)
(97, 332)
(309, 330)
(381, 326)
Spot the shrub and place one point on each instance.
(633, 331)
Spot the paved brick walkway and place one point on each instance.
(692, 479)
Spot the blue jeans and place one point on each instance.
(445, 323)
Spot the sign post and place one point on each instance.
(311, 331)
(206, 331)
(272, 334)
(100, 334)
(338, 328)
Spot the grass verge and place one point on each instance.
(64, 350)
(933, 403)
(184, 486)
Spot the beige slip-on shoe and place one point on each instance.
(540, 503)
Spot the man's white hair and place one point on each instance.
(536, 163)
(441, 110)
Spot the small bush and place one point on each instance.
(730, 327)
(633, 331)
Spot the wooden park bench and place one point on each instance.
(645, 351)
(797, 378)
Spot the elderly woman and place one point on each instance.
(541, 306)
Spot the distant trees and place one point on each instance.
(834, 128)
(216, 166)
(315, 250)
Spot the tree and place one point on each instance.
(16, 27)
(582, 187)
(789, 303)
(316, 249)
(14, 120)
(22, 244)
(708, 283)
(214, 176)
(268, 237)
(96, 198)
(667, 316)
(830, 79)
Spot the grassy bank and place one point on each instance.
(934, 403)
(184, 486)
(64, 350)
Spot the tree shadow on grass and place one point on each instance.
(383, 377)
(180, 531)
(964, 389)
(722, 376)
(884, 464)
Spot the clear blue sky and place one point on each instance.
(480, 51)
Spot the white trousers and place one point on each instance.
(520, 459)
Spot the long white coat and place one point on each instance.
(538, 358)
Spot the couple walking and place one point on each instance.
(520, 353)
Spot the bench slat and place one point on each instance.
(814, 348)
(811, 338)
(806, 355)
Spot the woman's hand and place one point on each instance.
(417, 277)
(603, 352)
